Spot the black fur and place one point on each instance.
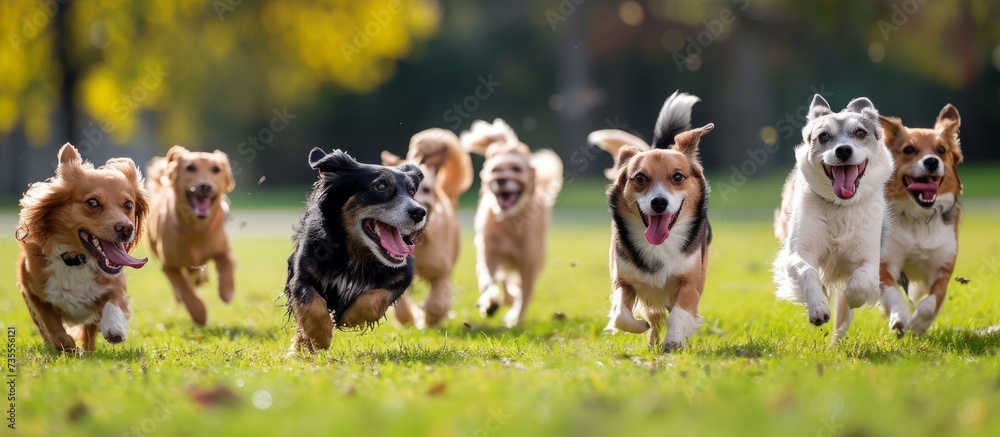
(674, 118)
(623, 240)
(325, 258)
(701, 235)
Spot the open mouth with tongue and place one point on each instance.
(507, 195)
(394, 245)
(110, 256)
(845, 178)
(658, 226)
(923, 189)
(201, 203)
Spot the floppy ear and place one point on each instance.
(390, 159)
(128, 168)
(412, 171)
(687, 142)
(625, 154)
(948, 122)
(69, 159)
(334, 162)
(893, 127)
(173, 157)
(818, 108)
(227, 170)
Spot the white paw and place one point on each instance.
(512, 318)
(113, 325)
(489, 301)
(861, 291)
(924, 315)
(818, 314)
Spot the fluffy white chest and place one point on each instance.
(921, 246)
(670, 256)
(73, 289)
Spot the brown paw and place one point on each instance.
(367, 310)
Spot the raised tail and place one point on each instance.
(482, 136)
(156, 170)
(548, 174)
(611, 141)
(674, 118)
(441, 149)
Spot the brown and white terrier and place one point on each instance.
(518, 191)
(75, 232)
(186, 224)
(447, 171)
(660, 235)
(923, 201)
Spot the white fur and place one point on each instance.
(113, 323)
(73, 289)
(680, 325)
(924, 315)
(833, 242)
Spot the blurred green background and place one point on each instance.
(267, 80)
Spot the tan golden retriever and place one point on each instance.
(518, 191)
(188, 210)
(447, 171)
(75, 232)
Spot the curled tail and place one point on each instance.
(611, 141)
(156, 170)
(441, 149)
(674, 118)
(482, 136)
(548, 174)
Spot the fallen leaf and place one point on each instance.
(219, 395)
(437, 389)
(77, 412)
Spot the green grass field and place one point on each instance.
(756, 367)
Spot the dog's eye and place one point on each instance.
(129, 205)
(216, 169)
(678, 178)
(93, 203)
(909, 150)
(640, 179)
(823, 137)
(516, 169)
(411, 191)
(190, 168)
(381, 186)
(861, 133)
(941, 150)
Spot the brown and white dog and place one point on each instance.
(518, 191)
(447, 171)
(76, 231)
(186, 224)
(923, 202)
(660, 232)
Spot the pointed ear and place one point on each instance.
(893, 128)
(175, 153)
(818, 108)
(948, 120)
(412, 171)
(334, 162)
(687, 142)
(863, 106)
(227, 170)
(388, 158)
(69, 159)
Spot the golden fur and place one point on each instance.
(53, 213)
(447, 171)
(180, 239)
(518, 191)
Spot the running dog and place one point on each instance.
(353, 255)
(833, 221)
(447, 171)
(660, 232)
(518, 191)
(923, 203)
(75, 232)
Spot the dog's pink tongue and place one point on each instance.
(392, 241)
(116, 254)
(658, 229)
(844, 178)
(927, 190)
(201, 206)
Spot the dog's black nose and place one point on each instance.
(417, 214)
(843, 152)
(204, 189)
(932, 163)
(658, 204)
(124, 231)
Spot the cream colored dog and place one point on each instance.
(447, 175)
(518, 191)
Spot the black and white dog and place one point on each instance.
(353, 247)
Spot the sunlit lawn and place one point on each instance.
(756, 368)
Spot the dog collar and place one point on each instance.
(73, 260)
